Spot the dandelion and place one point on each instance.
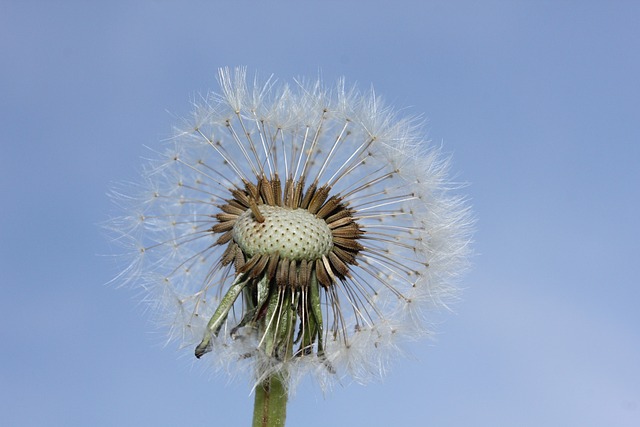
(294, 229)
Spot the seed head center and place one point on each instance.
(294, 234)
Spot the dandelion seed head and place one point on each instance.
(295, 227)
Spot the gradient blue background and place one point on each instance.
(538, 102)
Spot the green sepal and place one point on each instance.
(220, 315)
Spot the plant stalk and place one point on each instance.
(270, 405)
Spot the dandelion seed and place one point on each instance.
(295, 229)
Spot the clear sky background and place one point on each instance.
(538, 102)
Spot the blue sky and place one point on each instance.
(536, 101)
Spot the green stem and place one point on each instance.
(270, 406)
